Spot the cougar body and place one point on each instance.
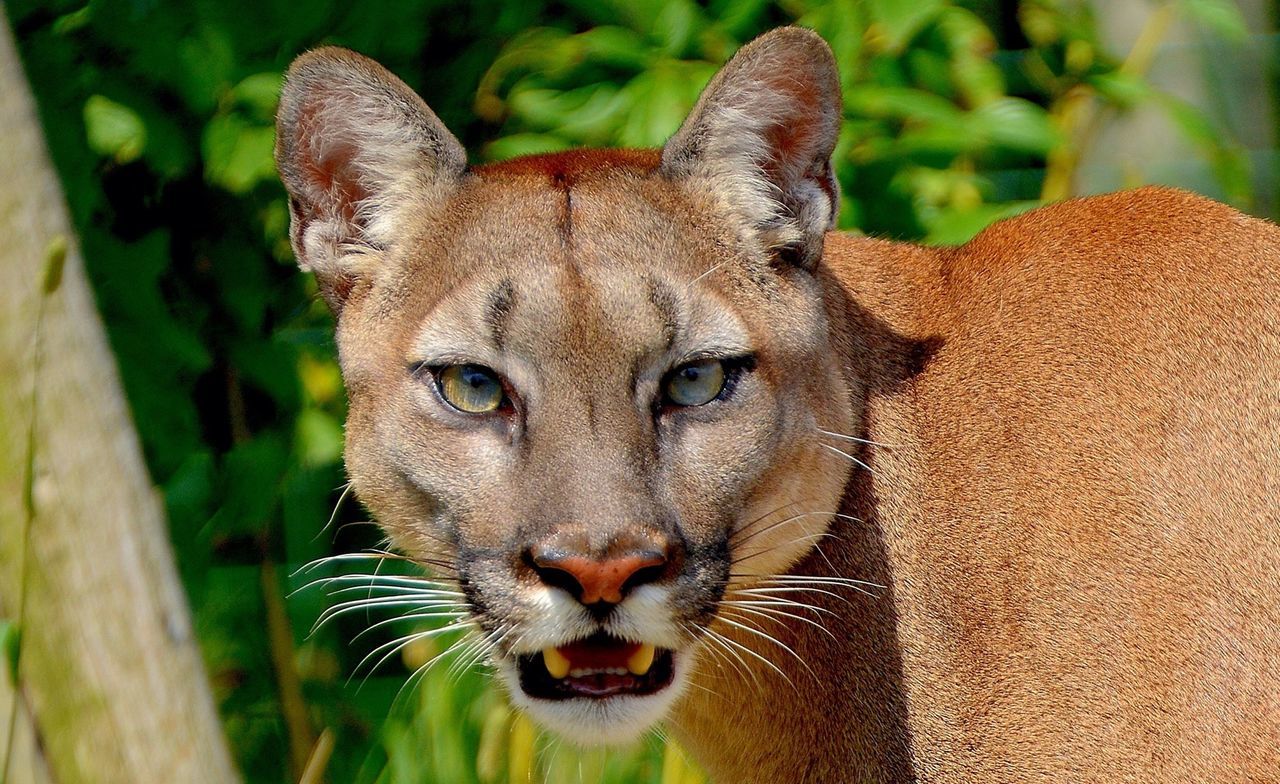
(1075, 512)
(835, 509)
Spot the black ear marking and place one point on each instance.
(792, 255)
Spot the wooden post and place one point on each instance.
(110, 674)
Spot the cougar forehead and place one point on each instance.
(564, 267)
(586, 210)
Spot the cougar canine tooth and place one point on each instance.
(640, 661)
(556, 662)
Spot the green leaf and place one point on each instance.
(517, 144)
(1229, 162)
(897, 21)
(189, 491)
(206, 64)
(616, 46)
(900, 103)
(1194, 123)
(73, 22)
(114, 129)
(544, 108)
(640, 15)
(965, 32)
(638, 94)
(739, 18)
(269, 366)
(953, 227)
(10, 647)
(318, 438)
(930, 70)
(675, 26)
(979, 80)
(253, 471)
(238, 155)
(667, 106)
(1122, 89)
(1041, 23)
(260, 93)
(1016, 124)
(595, 121)
(1221, 16)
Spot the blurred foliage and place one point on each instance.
(943, 132)
(159, 117)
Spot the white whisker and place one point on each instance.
(750, 652)
(738, 542)
(814, 579)
(703, 275)
(370, 604)
(788, 543)
(401, 589)
(772, 591)
(744, 624)
(776, 616)
(847, 437)
(412, 616)
(739, 663)
(311, 566)
(808, 582)
(399, 643)
(779, 603)
(849, 456)
(346, 491)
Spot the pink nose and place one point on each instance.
(596, 581)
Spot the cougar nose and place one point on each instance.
(598, 583)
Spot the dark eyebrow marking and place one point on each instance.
(502, 301)
(663, 300)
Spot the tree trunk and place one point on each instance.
(109, 673)
(20, 759)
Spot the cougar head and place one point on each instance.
(586, 383)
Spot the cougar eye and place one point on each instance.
(473, 389)
(695, 383)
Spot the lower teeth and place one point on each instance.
(599, 671)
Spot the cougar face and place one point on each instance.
(589, 383)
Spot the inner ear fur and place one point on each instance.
(760, 139)
(356, 149)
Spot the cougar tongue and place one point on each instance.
(598, 653)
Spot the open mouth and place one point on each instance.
(597, 667)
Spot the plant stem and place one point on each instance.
(55, 258)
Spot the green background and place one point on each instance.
(159, 119)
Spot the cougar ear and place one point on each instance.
(761, 138)
(356, 149)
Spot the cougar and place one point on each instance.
(830, 508)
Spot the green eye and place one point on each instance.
(473, 389)
(696, 383)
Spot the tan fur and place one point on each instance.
(1072, 496)
(1077, 516)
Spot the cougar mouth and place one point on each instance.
(598, 667)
